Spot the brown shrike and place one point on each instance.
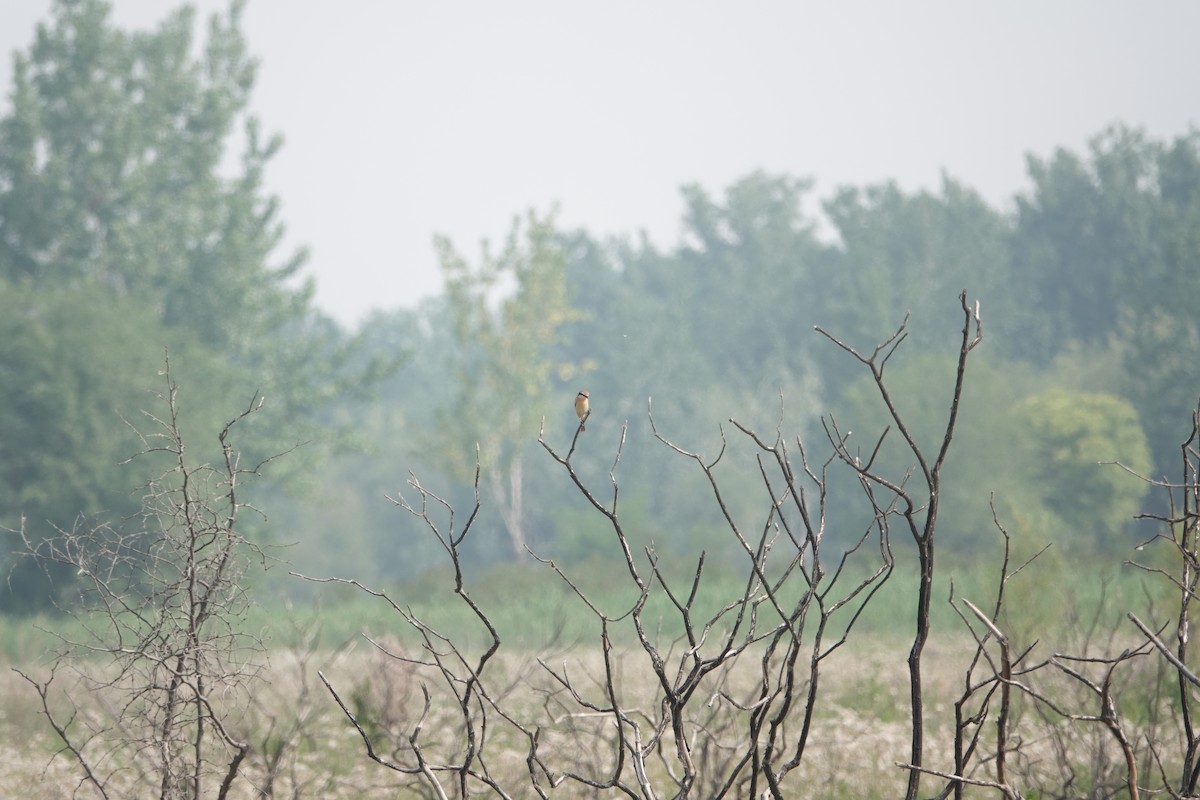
(582, 408)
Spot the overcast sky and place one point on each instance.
(404, 119)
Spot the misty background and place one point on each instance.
(672, 197)
(402, 120)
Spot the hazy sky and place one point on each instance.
(404, 118)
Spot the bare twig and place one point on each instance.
(160, 601)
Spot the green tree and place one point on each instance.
(119, 192)
(747, 279)
(907, 253)
(1083, 236)
(984, 461)
(1039, 442)
(68, 366)
(1159, 326)
(509, 311)
(713, 327)
(1108, 243)
(732, 304)
(1073, 441)
(111, 167)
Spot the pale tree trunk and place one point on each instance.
(509, 502)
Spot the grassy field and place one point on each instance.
(861, 730)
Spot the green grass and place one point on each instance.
(29, 639)
(532, 608)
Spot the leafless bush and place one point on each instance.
(1107, 718)
(730, 696)
(459, 722)
(1178, 544)
(987, 683)
(726, 699)
(160, 600)
(916, 505)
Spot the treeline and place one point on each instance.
(1087, 285)
(123, 241)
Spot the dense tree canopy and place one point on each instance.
(130, 227)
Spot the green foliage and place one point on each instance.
(71, 365)
(913, 253)
(1073, 441)
(112, 160)
(720, 325)
(746, 280)
(1083, 237)
(1159, 327)
(79, 363)
(981, 464)
(510, 312)
(1037, 446)
(127, 230)
(1109, 245)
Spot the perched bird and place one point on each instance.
(582, 408)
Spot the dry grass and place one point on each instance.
(304, 747)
